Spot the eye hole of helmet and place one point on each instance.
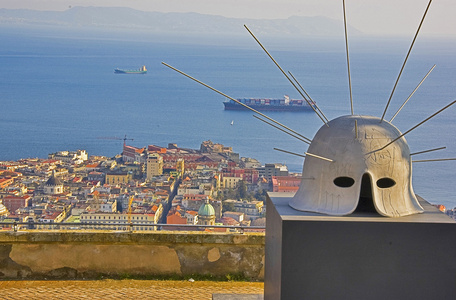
(385, 182)
(344, 182)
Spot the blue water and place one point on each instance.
(58, 91)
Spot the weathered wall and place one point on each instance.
(71, 255)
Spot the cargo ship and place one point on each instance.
(141, 70)
(285, 104)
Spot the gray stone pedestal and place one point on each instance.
(361, 256)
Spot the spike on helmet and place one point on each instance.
(360, 174)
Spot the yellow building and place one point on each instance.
(154, 165)
(180, 167)
(119, 177)
(230, 182)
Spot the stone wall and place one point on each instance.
(88, 255)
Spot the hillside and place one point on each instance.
(180, 23)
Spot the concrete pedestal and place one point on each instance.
(361, 256)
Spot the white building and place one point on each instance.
(252, 209)
(117, 221)
(104, 206)
(71, 157)
(192, 217)
(238, 216)
(202, 189)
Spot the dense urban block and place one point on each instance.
(140, 188)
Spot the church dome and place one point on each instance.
(206, 210)
(53, 180)
(53, 185)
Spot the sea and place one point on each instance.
(58, 91)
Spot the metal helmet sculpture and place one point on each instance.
(353, 162)
(361, 174)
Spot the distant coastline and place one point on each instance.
(118, 18)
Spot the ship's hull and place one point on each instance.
(119, 71)
(265, 107)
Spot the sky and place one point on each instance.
(369, 16)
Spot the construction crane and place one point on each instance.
(130, 201)
(125, 139)
(114, 138)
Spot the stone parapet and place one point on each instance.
(77, 255)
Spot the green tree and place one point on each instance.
(260, 195)
(227, 206)
(229, 194)
(242, 190)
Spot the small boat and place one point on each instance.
(141, 70)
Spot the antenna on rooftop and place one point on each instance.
(405, 61)
(283, 72)
(348, 58)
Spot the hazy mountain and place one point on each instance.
(126, 18)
